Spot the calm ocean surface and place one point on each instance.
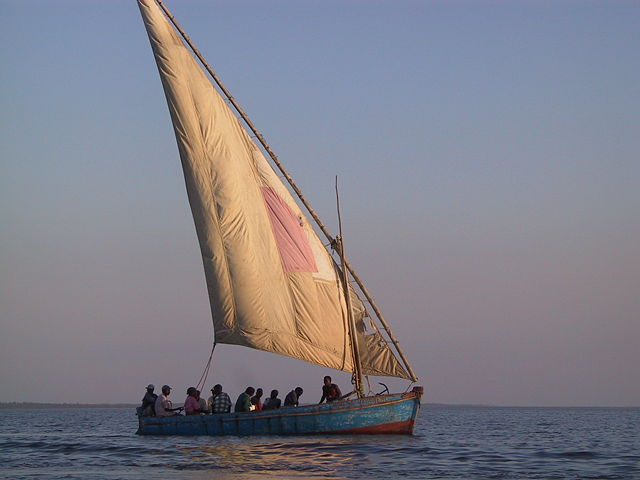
(450, 443)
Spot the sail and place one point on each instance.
(272, 285)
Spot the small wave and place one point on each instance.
(569, 454)
(83, 448)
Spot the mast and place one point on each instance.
(295, 188)
(355, 351)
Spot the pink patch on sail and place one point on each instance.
(291, 239)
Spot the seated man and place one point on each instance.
(256, 400)
(191, 404)
(243, 404)
(202, 403)
(219, 401)
(273, 402)
(330, 391)
(164, 407)
(148, 407)
(291, 400)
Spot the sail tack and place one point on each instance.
(272, 284)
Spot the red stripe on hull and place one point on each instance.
(399, 428)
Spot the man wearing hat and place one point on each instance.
(149, 402)
(164, 407)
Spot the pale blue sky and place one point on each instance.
(488, 163)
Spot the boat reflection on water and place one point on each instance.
(309, 456)
(296, 459)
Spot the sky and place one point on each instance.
(487, 154)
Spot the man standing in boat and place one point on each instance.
(330, 391)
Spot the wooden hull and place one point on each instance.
(382, 414)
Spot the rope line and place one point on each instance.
(205, 373)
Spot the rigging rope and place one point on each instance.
(366, 377)
(205, 373)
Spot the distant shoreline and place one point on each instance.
(35, 405)
(53, 406)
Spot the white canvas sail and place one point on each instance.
(272, 285)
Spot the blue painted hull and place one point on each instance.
(382, 414)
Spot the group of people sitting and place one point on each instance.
(219, 402)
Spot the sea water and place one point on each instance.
(449, 443)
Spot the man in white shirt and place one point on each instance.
(164, 407)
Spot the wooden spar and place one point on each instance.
(353, 336)
(295, 188)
